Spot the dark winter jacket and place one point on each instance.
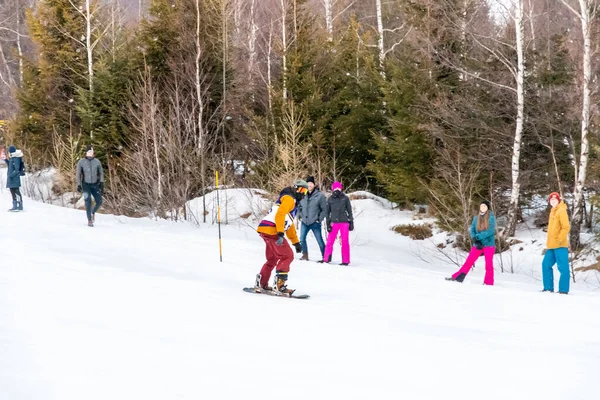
(339, 208)
(89, 170)
(313, 208)
(16, 168)
(487, 237)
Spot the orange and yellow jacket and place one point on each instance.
(281, 217)
(558, 227)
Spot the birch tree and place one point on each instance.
(381, 31)
(92, 33)
(513, 211)
(585, 14)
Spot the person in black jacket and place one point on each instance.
(339, 219)
(16, 169)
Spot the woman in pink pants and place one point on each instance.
(483, 233)
(339, 220)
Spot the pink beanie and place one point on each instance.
(336, 186)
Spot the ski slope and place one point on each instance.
(142, 309)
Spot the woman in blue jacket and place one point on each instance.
(16, 169)
(483, 232)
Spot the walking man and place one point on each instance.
(90, 182)
(312, 212)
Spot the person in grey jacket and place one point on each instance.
(90, 182)
(16, 169)
(312, 212)
(339, 219)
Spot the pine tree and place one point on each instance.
(49, 92)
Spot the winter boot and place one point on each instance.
(14, 207)
(91, 223)
(280, 286)
(261, 289)
(345, 264)
(460, 278)
(563, 292)
(304, 256)
(20, 205)
(547, 290)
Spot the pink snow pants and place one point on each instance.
(488, 253)
(343, 228)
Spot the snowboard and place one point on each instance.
(271, 293)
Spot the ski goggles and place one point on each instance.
(302, 190)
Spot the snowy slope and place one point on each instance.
(139, 309)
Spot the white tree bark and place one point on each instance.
(252, 36)
(587, 10)
(88, 44)
(19, 45)
(199, 98)
(513, 211)
(269, 72)
(284, 45)
(329, 18)
(380, 37)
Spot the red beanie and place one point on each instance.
(554, 195)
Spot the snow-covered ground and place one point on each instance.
(141, 309)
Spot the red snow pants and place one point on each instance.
(279, 257)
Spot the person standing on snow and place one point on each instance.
(312, 212)
(272, 229)
(483, 233)
(90, 182)
(339, 219)
(16, 169)
(557, 247)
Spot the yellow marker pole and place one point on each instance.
(219, 216)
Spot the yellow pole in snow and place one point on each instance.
(219, 216)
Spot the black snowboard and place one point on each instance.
(271, 293)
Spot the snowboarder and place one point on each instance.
(312, 211)
(273, 229)
(557, 246)
(339, 219)
(483, 233)
(16, 169)
(90, 182)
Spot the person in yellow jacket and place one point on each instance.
(557, 247)
(273, 228)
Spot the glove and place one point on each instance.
(101, 186)
(478, 245)
(298, 247)
(351, 226)
(79, 189)
(329, 228)
(279, 241)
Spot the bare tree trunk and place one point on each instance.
(19, 46)
(585, 15)
(380, 38)
(88, 45)
(199, 99)
(252, 46)
(8, 81)
(200, 116)
(269, 72)
(513, 212)
(329, 18)
(284, 50)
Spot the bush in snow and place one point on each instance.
(414, 231)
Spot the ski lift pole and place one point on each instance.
(219, 216)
